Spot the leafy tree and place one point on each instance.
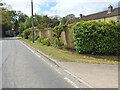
(54, 22)
(21, 28)
(63, 21)
(68, 19)
(40, 26)
(22, 17)
(28, 23)
(6, 20)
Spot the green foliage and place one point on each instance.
(68, 19)
(40, 39)
(30, 37)
(58, 30)
(41, 22)
(40, 26)
(28, 23)
(97, 37)
(57, 42)
(26, 33)
(21, 28)
(67, 47)
(36, 36)
(46, 41)
(22, 17)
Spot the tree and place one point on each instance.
(6, 20)
(68, 19)
(21, 28)
(63, 21)
(22, 17)
(28, 23)
(54, 22)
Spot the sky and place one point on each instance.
(62, 7)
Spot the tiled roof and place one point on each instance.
(99, 15)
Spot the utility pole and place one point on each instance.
(32, 21)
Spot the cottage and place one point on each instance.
(110, 14)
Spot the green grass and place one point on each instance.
(66, 56)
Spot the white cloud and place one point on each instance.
(63, 7)
(76, 7)
(24, 5)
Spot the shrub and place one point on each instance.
(30, 37)
(96, 37)
(57, 42)
(67, 47)
(36, 37)
(40, 39)
(26, 33)
(46, 41)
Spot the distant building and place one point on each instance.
(110, 14)
(10, 33)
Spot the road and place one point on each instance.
(21, 68)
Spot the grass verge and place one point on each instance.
(66, 56)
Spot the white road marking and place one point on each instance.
(79, 79)
(71, 82)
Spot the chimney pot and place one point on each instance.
(110, 9)
(81, 15)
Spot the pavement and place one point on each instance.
(96, 75)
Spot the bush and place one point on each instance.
(26, 33)
(30, 37)
(46, 41)
(36, 37)
(67, 47)
(97, 37)
(40, 39)
(57, 42)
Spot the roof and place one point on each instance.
(99, 15)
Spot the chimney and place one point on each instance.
(81, 15)
(110, 9)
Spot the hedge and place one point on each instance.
(97, 37)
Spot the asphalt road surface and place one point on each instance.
(21, 68)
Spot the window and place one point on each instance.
(118, 19)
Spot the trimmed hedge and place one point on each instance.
(97, 37)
